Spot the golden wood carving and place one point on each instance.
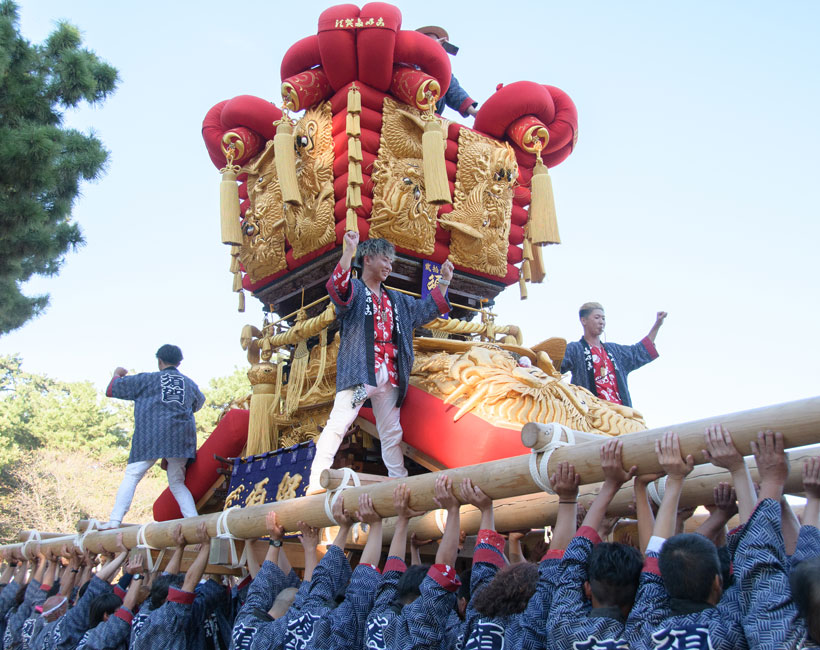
(487, 382)
(480, 220)
(263, 238)
(401, 213)
(259, 493)
(310, 226)
(268, 222)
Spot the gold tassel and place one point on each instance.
(354, 196)
(322, 363)
(354, 173)
(229, 214)
(241, 307)
(537, 265)
(234, 264)
(283, 150)
(351, 220)
(260, 422)
(237, 282)
(527, 249)
(354, 100)
(235, 250)
(437, 188)
(296, 379)
(543, 224)
(354, 149)
(525, 271)
(354, 128)
(522, 284)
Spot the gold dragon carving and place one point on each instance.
(488, 382)
(268, 222)
(401, 213)
(482, 206)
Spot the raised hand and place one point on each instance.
(178, 537)
(660, 317)
(811, 477)
(720, 450)
(401, 502)
(351, 239)
(612, 463)
(565, 481)
(309, 537)
(342, 516)
(771, 459)
(444, 497)
(136, 564)
(120, 546)
(669, 456)
(202, 534)
(120, 372)
(416, 543)
(725, 499)
(475, 496)
(367, 513)
(275, 530)
(447, 271)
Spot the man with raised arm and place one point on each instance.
(601, 367)
(164, 427)
(376, 349)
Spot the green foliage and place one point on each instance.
(41, 163)
(220, 393)
(37, 411)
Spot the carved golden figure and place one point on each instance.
(263, 238)
(401, 213)
(234, 496)
(488, 382)
(480, 220)
(310, 226)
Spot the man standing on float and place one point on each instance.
(376, 349)
(600, 367)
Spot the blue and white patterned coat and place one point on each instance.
(533, 620)
(625, 358)
(7, 597)
(355, 364)
(422, 624)
(253, 628)
(71, 626)
(113, 634)
(771, 620)
(572, 621)
(164, 407)
(13, 635)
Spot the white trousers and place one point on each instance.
(383, 397)
(176, 481)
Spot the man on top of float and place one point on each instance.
(164, 427)
(602, 368)
(376, 349)
(456, 97)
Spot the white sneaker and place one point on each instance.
(109, 525)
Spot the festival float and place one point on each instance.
(354, 143)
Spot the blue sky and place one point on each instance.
(693, 188)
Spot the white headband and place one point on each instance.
(56, 607)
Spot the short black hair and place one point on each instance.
(614, 571)
(689, 563)
(373, 247)
(106, 603)
(805, 587)
(159, 588)
(409, 586)
(170, 354)
(508, 592)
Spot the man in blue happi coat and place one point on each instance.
(376, 349)
(456, 97)
(164, 427)
(601, 367)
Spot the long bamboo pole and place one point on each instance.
(798, 421)
(523, 511)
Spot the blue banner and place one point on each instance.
(274, 476)
(430, 275)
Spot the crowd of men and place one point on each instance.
(757, 586)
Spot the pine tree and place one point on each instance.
(42, 163)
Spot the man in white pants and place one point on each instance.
(376, 350)
(164, 427)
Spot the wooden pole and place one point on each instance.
(25, 535)
(537, 434)
(331, 479)
(798, 421)
(501, 479)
